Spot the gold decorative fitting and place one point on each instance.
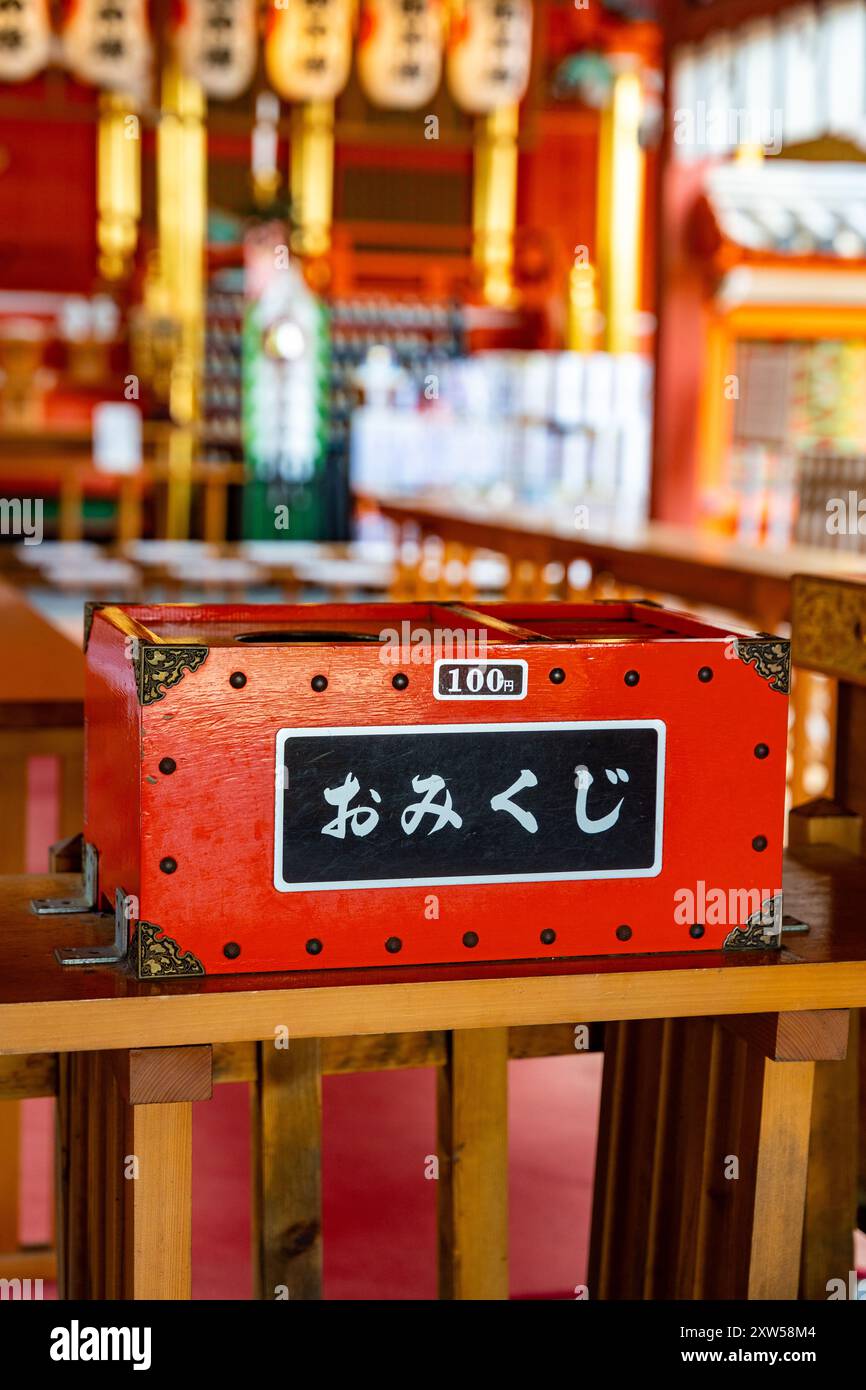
(763, 930)
(153, 955)
(828, 623)
(771, 658)
(157, 669)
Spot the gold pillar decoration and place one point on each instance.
(311, 176)
(582, 307)
(182, 225)
(494, 202)
(118, 184)
(620, 211)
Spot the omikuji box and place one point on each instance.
(301, 788)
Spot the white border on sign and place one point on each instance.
(385, 729)
(467, 661)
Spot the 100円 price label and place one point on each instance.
(480, 680)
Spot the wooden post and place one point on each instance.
(473, 1166)
(125, 1171)
(286, 1120)
(780, 1179)
(831, 1189)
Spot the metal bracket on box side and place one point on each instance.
(87, 902)
(101, 955)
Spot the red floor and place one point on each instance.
(379, 1208)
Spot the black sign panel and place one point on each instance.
(468, 803)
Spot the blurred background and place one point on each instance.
(329, 299)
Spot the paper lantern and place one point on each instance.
(400, 52)
(25, 40)
(109, 45)
(489, 53)
(216, 44)
(308, 49)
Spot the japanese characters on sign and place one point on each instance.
(472, 803)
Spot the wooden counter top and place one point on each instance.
(693, 564)
(41, 670)
(44, 1008)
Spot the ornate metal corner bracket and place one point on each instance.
(158, 668)
(153, 955)
(763, 930)
(771, 658)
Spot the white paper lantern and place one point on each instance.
(489, 54)
(400, 52)
(308, 49)
(108, 45)
(216, 43)
(25, 40)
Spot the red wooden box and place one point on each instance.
(292, 788)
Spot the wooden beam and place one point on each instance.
(473, 1166)
(162, 1075)
(802, 1036)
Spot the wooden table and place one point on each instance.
(692, 564)
(41, 713)
(136, 1054)
(73, 481)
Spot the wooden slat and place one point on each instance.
(686, 1165)
(98, 1082)
(780, 1181)
(656, 1214)
(70, 1176)
(234, 1062)
(158, 1212)
(626, 1190)
(10, 1157)
(383, 1051)
(473, 1166)
(609, 1162)
(831, 1190)
(114, 1193)
(286, 1114)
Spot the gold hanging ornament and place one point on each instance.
(489, 55)
(118, 185)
